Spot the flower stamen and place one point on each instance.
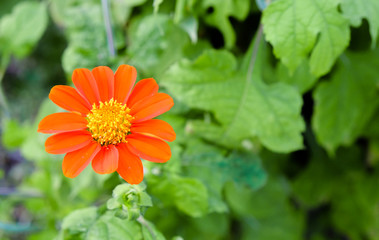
(109, 122)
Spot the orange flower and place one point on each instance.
(108, 123)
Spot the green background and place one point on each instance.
(276, 115)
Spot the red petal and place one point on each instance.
(144, 88)
(155, 127)
(105, 82)
(149, 148)
(129, 165)
(106, 160)
(62, 122)
(67, 142)
(75, 162)
(124, 78)
(69, 99)
(151, 107)
(86, 85)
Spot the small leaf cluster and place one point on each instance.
(129, 200)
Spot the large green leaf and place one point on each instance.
(297, 28)
(240, 101)
(355, 11)
(21, 30)
(346, 103)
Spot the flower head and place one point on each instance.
(109, 123)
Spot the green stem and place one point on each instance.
(144, 223)
(3, 67)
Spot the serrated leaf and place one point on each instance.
(345, 104)
(244, 106)
(355, 11)
(297, 28)
(217, 13)
(22, 29)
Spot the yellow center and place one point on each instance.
(109, 122)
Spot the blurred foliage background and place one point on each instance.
(276, 114)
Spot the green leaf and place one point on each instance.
(150, 232)
(79, 221)
(355, 11)
(85, 31)
(221, 11)
(145, 200)
(14, 134)
(113, 203)
(302, 79)
(33, 148)
(155, 43)
(297, 28)
(266, 214)
(22, 29)
(109, 227)
(244, 105)
(346, 103)
(209, 165)
(191, 196)
(121, 10)
(343, 184)
(156, 4)
(87, 225)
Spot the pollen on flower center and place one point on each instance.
(109, 122)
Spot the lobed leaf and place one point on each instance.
(298, 28)
(245, 106)
(355, 11)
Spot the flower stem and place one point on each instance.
(108, 27)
